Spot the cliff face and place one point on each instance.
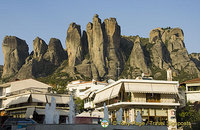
(101, 53)
(15, 52)
(172, 52)
(74, 44)
(195, 57)
(137, 57)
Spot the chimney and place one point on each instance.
(169, 75)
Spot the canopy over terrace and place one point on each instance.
(136, 86)
(35, 97)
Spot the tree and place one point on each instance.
(190, 113)
(79, 105)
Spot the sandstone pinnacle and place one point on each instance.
(15, 52)
(74, 44)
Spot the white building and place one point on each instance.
(192, 90)
(79, 88)
(89, 96)
(155, 100)
(28, 98)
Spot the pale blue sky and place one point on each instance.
(28, 19)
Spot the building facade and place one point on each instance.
(192, 90)
(155, 100)
(28, 98)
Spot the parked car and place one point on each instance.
(20, 122)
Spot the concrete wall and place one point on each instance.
(91, 127)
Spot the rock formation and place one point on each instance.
(55, 52)
(104, 47)
(97, 48)
(112, 35)
(15, 52)
(102, 53)
(74, 44)
(175, 55)
(39, 48)
(137, 58)
(195, 57)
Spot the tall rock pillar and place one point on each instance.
(15, 52)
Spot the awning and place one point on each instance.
(84, 114)
(96, 98)
(103, 95)
(94, 113)
(7, 101)
(59, 99)
(151, 88)
(29, 112)
(165, 88)
(18, 100)
(98, 114)
(61, 112)
(116, 90)
(138, 87)
(39, 98)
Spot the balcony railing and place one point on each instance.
(152, 100)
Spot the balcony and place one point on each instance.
(153, 100)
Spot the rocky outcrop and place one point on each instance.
(36, 65)
(74, 44)
(90, 37)
(104, 47)
(160, 56)
(112, 36)
(85, 68)
(15, 52)
(137, 58)
(102, 53)
(171, 51)
(55, 53)
(97, 50)
(39, 48)
(34, 68)
(195, 57)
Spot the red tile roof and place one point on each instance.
(197, 80)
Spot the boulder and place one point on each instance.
(15, 52)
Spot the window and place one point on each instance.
(193, 88)
(152, 97)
